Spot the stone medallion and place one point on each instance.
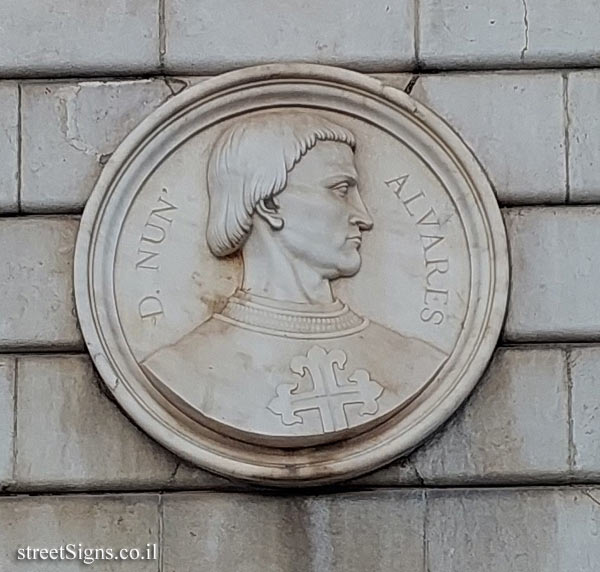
(291, 274)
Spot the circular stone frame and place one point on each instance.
(262, 87)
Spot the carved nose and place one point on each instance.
(360, 216)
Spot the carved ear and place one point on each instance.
(267, 210)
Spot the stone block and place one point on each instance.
(584, 136)
(252, 533)
(469, 33)
(513, 530)
(68, 37)
(82, 440)
(555, 272)
(7, 418)
(211, 36)
(562, 33)
(514, 427)
(512, 33)
(87, 522)
(70, 131)
(515, 125)
(36, 267)
(585, 379)
(9, 147)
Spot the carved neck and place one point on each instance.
(289, 319)
(273, 272)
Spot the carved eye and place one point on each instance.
(341, 188)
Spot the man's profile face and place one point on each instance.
(322, 210)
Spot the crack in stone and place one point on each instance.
(526, 21)
(171, 478)
(161, 534)
(592, 497)
(19, 147)
(420, 478)
(567, 119)
(15, 450)
(411, 84)
(162, 34)
(417, 33)
(175, 85)
(572, 449)
(69, 126)
(425, 532)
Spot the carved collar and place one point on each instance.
(289, 319)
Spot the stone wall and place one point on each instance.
(511, 483)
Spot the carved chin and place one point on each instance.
(350, 266)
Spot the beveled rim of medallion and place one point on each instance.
(93, 274)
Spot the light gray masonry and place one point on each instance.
(439, 530)
(482, 33)
(70, 131)
(552, 290)
(213, 36)
(514, 428)
(90, 521)
(515, 33)
(555, 272)
(77, 76)
(584, 136)
(36, 267)
(512, 530)
(584, 369)
(7, 419)
(9, 128)
(514, 123)
(347, 532)
(82, 440)
(70, 37)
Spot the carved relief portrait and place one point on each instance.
(285, 357)
(291, 274)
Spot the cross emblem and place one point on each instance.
(331, 390)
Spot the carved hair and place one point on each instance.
(250, 162)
